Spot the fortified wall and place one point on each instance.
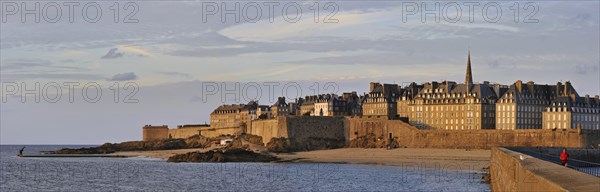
(182, 133)
(300, 129)
(410, 136)
(150, 132)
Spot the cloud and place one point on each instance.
(23, 63)
(281, 71)
(113, 54)
(29, 64)
(136, 50)
(123, 50)
(176, 74)
(68, 61)
(582, 69)
(62, 76)
(123, 77)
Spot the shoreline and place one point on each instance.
(161, 154)
(447, 159)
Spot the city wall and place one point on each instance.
(302, 128)
(163, 132)
(267, 129)
(513, 171)
(182, 133)
(299, 129)
(410, 136)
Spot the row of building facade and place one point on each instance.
(439, 105)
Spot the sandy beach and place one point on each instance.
(450, 159)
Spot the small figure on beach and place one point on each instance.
(21, 151)
(564, 157)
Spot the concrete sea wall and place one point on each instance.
(513, 171)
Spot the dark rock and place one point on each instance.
(188, 143)
(312, 143)
(237, 142)
(279, 145)
(285, 145)
(372, 141)
(231, 155)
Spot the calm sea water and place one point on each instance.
(145, 174)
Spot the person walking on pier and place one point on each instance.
(564, 157)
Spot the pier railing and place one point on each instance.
(577, 164)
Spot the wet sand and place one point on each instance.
(449, 159)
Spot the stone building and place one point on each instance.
(249, 111)
(307, 108)
(263, 112)
(382, 100)
(408, 94)
(453, 106)
(330, 105)
(353, 103)
(571, 111)
(449, 105)
(295, 106)
(280, 108)
(521, 106)
(229, 116)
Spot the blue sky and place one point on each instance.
(171, 51)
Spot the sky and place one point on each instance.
(173, 62)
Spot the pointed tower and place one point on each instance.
(469, 76)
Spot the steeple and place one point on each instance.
(469, 77)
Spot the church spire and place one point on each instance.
(469, 77)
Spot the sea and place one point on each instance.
(149, 174)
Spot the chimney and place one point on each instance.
(568, 89)
(558, 88)
(519, 85)
(497, 90)
(530, 86)
(372, 86)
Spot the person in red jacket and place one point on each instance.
(564, 157)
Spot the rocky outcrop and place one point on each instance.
(243, 140)
(198, 141)
(279, 145)
(372, 141)
(230, 155)
(188, 143)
